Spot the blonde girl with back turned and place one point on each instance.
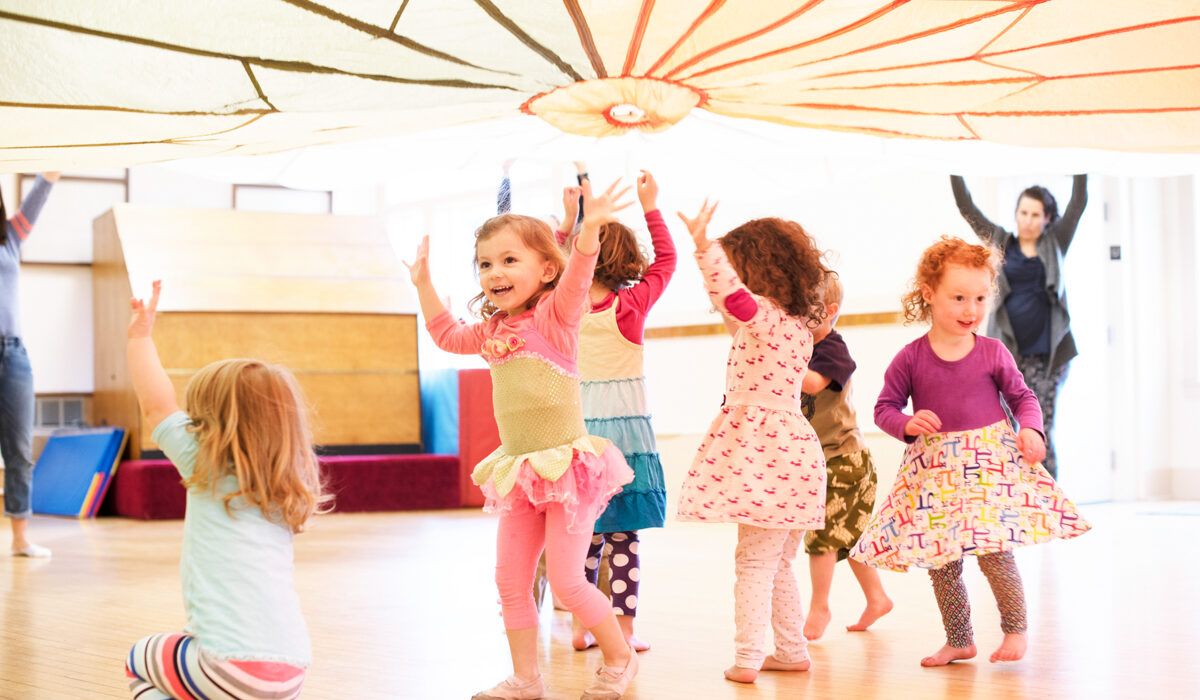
(549, 479)
(244, 451)
(761, 464)
(969, 484)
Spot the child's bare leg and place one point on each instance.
(1000, 568)
(820, 571)
(626, 624)
(522, 644)
(951, 594)
(878, 602)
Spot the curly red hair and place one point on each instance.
(947, 251)
(777, 259)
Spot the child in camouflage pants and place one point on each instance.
(850, 482)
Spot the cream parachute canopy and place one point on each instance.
(120, 82)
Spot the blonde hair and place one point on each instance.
(834, 293)
(537, 236)
(249, 418)
(947, 251)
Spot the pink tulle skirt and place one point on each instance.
(584, 489)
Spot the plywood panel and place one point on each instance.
(258, 261)
(369, 408)
(301, 341)
(113, 401)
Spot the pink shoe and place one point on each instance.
(513, 688)
(610, 683)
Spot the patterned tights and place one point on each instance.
(621, 551)
(1001, 571)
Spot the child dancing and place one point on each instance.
(760, 464)
(245, 454)
(969, 485)
(549, 479)
(624, 287)
(850, 481)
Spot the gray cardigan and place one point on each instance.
(1051, 248)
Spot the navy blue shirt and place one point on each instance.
(1028, 304)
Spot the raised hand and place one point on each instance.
(923, 421)
(1031, 445)
(698, 226)
(601, 209)
(51, 175)
(647, 190)
(142, 322)
(571, 197)
(418, 269)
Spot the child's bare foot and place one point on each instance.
(580, 638)
(773, 664)
(875, 609)
(1011, 649)
(947, 654)
(741, 674)
(818, 620)
(637, 644)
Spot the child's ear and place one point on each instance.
(927, 293)
(549, 272)
(833, 310)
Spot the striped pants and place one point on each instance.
(165, 666)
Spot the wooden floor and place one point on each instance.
(401, 605)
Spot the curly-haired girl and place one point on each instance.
(624, 288)
(968, 485)
(760, 464)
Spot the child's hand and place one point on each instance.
(647, 190)
(922, 422)
(698, 226)
(601, 209)
(571, 197)
(142, 322)
(1031, 444)
(51, 175)
(418, 269)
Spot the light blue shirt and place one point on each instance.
(238, 593)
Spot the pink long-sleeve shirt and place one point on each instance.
(965, 394)
(637, 299)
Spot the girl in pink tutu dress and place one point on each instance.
(761, 464)
(549, 479)
(969, 484)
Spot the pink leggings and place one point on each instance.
(522, 533)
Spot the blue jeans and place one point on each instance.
(16, 427)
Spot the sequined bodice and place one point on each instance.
(537, 407)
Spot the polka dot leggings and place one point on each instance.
(1001, 571)
(620, 549)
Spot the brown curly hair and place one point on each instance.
(621, 259)
(947, 251)
(777, 259)
(537, 236)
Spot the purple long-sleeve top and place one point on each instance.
(965, 394)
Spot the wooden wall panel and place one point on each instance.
(113, 400)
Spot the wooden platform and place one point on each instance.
(402, 606)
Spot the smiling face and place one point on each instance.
(510, 272)
(959, 303)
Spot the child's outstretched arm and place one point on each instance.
(154, 390)
(571, 197)
(418, 270)
(698, 226)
